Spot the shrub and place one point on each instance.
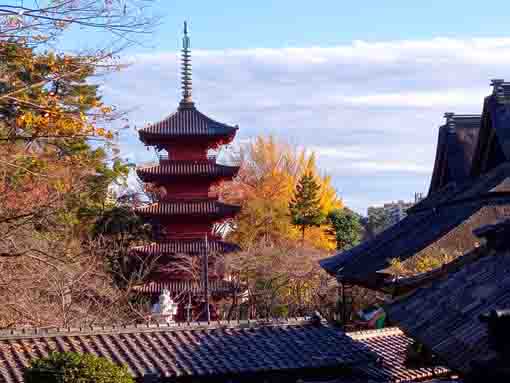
(71, 367)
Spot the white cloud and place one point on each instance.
(369, 110)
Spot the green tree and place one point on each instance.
(71, 367)
(305, 208)
(345, 227)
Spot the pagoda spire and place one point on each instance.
(186, 82)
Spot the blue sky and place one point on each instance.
(297, 23)
(363, 84)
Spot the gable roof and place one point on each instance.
(237, 349)
(493, 146)
(455, 148)
(449, 219)
(444, 316)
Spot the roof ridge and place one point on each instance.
(365, 334)
(42, 332)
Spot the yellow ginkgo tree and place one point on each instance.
(269, 173)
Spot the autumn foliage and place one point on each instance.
(269, 173)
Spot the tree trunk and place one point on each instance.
(303, 236)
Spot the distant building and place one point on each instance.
(382, 217)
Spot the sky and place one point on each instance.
(363, 84)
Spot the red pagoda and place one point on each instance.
(187, 211)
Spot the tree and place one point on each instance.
(345, 227)
(43, 25)
(53, 187)
(268, 175)
(71, 367)
(305, 209)
(282, 280)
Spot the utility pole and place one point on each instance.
(188, 308)
(206, 279)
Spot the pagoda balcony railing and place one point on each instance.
(164, 157)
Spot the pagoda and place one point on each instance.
(187, 211)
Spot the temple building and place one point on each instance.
(188, 246)
(462, 311)
(469, 188)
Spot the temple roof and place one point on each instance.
(456, 144)
(185, 122)
(186, 246)
(447, 223)
(444, 316)
(189, 208)
(222, 351)
(391, 344)
(493, 146)
(170, 169)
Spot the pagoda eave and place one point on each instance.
(178, 170)
(192, 247)
(201, 208)
(212, 141)
(216, 287)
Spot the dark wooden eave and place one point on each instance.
(185, 123)
(169, 170)
(363, 265)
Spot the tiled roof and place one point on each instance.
(198, 207)
(447, 227)
(444, 316)
(192, 350)
(186, 246)
(185, 122)
(170, 169)
(187, 286)
(455, 148)
(228, 349)
(390, 345)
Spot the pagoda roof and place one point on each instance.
(188, 246)
(187, 286)
(445, 315)
(187, 121)
(456, 145)
(183, 168)
(189, 208)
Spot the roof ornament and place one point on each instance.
(496, 84)
(450, 121)
(186, 82)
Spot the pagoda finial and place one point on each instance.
(186, 70)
